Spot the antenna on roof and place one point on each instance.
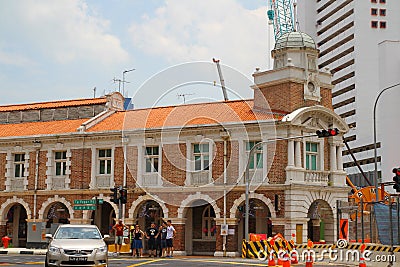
(94, 92)
(184, 96)
(216, 61)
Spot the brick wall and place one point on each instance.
(80, 168)
(179, 240)
(131, 161)
(277, 173)
(2, 171)
(118, 166)
(42, 170)
(31, 169)
(218, 162)
(288, 97)
(174, 163)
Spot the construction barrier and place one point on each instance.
(253, 249)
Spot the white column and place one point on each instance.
(297, 154)
(339, 158)
(333, 157)
(290, 153)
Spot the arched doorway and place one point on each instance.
(200, 228)
(148, 212)
(16, 225)
(56, 213)
(320, 226)
(104, 217)
(259, 219)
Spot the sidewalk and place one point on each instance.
(22, 251)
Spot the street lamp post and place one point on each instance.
(247, 178)
(123, 80)
(375, 148)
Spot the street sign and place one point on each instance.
(87, 201)
(84, 207)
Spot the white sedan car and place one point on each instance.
(74, 245)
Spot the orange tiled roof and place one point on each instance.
(54, 104)
(184, 115)
(40, 128)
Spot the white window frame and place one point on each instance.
(258, 153)
(203, 156)
(309, 154)
(62, 162)
(208, 223)
(20, 163)
(155, 168)
(107, 161)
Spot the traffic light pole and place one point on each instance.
(375, 146)
(247, 178)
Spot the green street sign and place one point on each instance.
(100, 200)
(84, 201)
(84, 207)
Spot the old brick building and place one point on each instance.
(183, 163)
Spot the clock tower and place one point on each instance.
(295, 80)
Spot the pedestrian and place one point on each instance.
(158, 243)
(119, 236)
(170, 239)
(151, 235)
(163, 237)
(137, 240)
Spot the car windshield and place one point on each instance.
(77, 233)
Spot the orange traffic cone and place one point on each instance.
(362, 260)
(286, 261)
(271, 260)
(309, 261)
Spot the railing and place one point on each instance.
(316, 176)
(58, 183)
(17, 184)
(199, 178)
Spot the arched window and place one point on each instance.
(209, 228)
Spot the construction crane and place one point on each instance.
(216, 61)
(281, 15)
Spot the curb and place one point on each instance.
(23, 252)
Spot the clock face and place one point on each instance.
(311, 87)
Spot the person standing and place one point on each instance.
(163, 239)
(170, 239)
(158, 242)
(151, 235)
(119, 236)
(137, 240)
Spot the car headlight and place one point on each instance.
(54, 250)
(102, 249)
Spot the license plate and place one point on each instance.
(77, 258)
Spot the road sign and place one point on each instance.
(84, 207)
(87, 201)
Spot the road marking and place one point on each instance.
(226, 262)
(143, 263)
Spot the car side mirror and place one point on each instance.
(50, 236)
(106, 236)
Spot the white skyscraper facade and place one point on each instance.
(359, 43)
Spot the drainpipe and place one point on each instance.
(124, 181)
(225, 181)
(37, 145)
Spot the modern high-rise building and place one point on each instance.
(358, 41)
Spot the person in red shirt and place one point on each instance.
(119, 235)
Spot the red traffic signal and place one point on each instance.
(327, 133)
(396, 179)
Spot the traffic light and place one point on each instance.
(396, 179)
(114, 195)
(327, 133)
(123, 195)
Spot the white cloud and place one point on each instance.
(14, 59)
(64, 30)
(182, 31)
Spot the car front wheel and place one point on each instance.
(45, 262)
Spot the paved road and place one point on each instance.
(38, 260)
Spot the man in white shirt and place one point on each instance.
(170, 238)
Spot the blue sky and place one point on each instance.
(52, 50)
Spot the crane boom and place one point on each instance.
(216, 61)
(282, 16)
